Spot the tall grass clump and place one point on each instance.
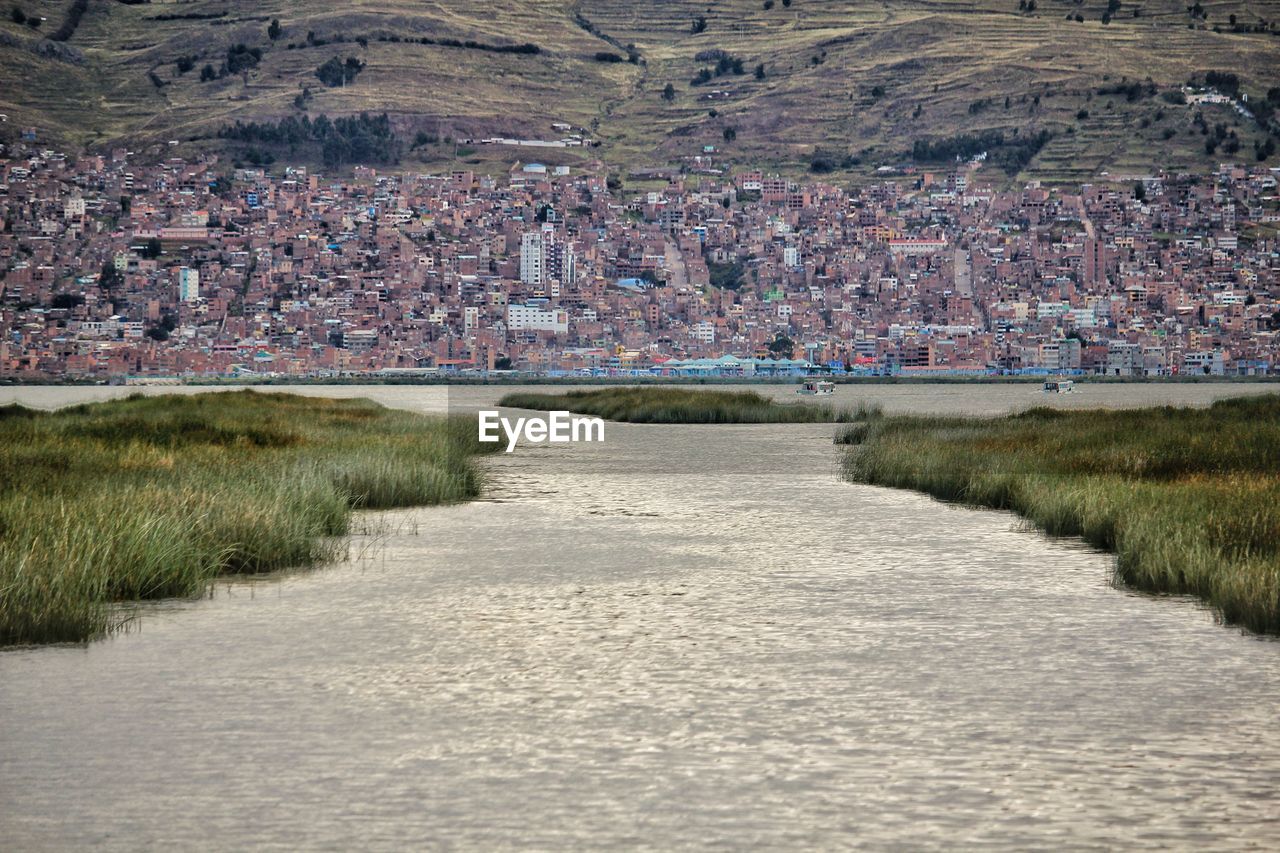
(1188, 499)
(646, 405)
(149, 497)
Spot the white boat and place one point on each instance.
(817, 388)
(1059, 386)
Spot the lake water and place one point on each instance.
(684, 637)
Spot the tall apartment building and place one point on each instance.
(533, 258)
(562, 266)
(188, 284)
(544, 257)
(1095, 261)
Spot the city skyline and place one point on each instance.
(115, 268)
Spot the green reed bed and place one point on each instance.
(1188, 499)
(149, 497)
(648, 405)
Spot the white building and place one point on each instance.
(1082, 317)
(914, 247)
(538, 319)
(1210, 363)
(533, 258)
(561, 263)
(544, 258)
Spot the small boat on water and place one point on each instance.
(816, 388)
(1059, 386)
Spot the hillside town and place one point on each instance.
(116, 269)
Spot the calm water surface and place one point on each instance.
(687, 637)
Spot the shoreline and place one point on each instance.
(656, 381)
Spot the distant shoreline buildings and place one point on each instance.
(114, 269)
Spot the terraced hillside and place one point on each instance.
(789, 84)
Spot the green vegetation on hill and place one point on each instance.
(1012, 153)
(149, 497)
(681, 406)
(845, 87)
(1188, 499)
(337, 73)
(353, 139)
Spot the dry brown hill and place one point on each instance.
(858, 83)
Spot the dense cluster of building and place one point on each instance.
(111, 268)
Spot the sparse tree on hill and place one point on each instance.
(241, 58)
(760, 71)
(336, 73)
(18, 16)
(699, 25)
(669, 93)
(275, 30)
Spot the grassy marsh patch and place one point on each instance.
(643, 405)
(1188, 499)
(150, 497)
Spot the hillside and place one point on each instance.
(858, 83)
